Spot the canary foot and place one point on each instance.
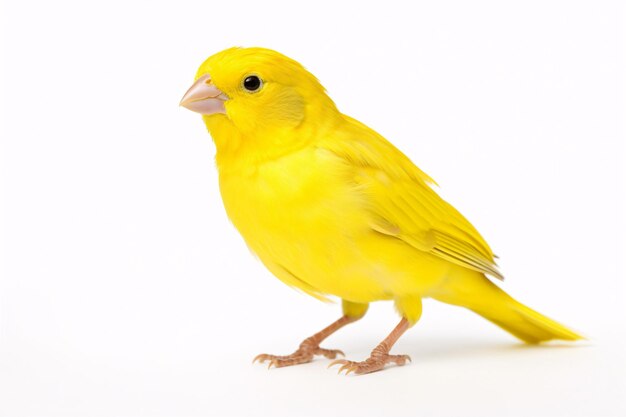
(380, 355)
(305, 353)
(374, 363)
(309, 348)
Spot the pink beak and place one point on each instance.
(203, 97)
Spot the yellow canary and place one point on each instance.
(332, 208)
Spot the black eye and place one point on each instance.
(252, 83)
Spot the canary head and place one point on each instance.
(255, 89)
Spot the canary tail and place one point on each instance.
(480, 295)
(530, 326)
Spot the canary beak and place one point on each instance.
(203, 97)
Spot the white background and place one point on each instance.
(125, 291)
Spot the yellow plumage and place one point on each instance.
(332, 208)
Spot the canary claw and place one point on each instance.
(261, 358)
(304, 354)
(343, 362)
(372, 364)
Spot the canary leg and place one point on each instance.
(380, 355)
(310, 346)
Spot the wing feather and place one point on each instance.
(403, 203)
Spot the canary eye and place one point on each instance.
(252, 83)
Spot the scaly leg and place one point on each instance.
(311, 345)
(380, 355)
(410, 308)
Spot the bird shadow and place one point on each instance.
(445, 349)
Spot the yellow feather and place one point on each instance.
(332, 208)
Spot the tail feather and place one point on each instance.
(479, 294)
(531, 326)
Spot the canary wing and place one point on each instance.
(403, 204)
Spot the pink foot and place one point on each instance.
(375, 362)
(305, 353)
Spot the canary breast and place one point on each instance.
(305, 216)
